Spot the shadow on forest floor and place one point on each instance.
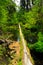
(38, 57)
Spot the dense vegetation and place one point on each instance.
(31, 21)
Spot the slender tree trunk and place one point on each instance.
(26, 4)
(23, 4)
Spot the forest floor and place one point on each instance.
(15, 52)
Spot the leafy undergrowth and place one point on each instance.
(37, 50)
(3, 59)
(38, 46)
(12, 55)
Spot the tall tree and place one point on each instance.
(26, 4)
(23, 4)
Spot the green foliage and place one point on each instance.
(20, 63)
(8, 17)
(3, 15)
(40, 35)
(9, 20)
(5, 2)
(38, 47)
(2, 50)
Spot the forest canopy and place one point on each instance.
(31, 21)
